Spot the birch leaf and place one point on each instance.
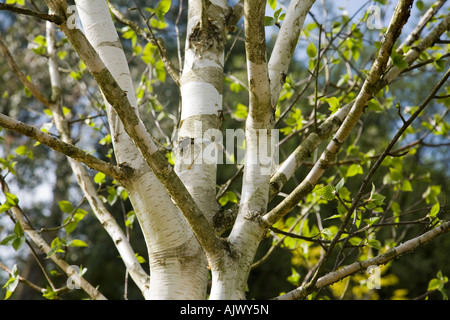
(327, 192)
(78, 243)
(273, 4)
(65, 206)
(353, 170)
(162, 8)
(99, 177)
(435, 210)
(311, 50)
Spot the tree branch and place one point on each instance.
(394, 253)
(286, 43)
(150, 37)
(136, 129)
(49, 17)
(44, 247)
(375, 167)
(401, 15)
(121, 174)
(85, 182)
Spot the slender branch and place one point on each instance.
(121, 174)
(415, 34)
(286, 43)
(22, 279)
(394, 253)
(376, 165)
(44, 247)
(85, 182)
(49, 17)
(150, 37)
(19, 74)
(400, 17)
(136, 129)
(44, 138)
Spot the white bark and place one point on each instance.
(164, 228)
(85, 181)
(286, 43)
(201, 96)
(384, 258)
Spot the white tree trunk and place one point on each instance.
(177, 262)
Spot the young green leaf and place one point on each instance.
(327, 192)
(311, 50)
(435, 210)
(65, 206)
(78, 243)
(99, 177)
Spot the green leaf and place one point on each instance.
(18, 242)
(77, 217)
(99, 177)
(78, 243)
(396, 175)
(12, 283)
(353, 170)
(241, 111)
(398, 61)
(373, 105)
(228, 196)
(374, 244)
(269, 21)
(340, 184)
(65, 206)
(326, 233)
(311, 50)
(419, 5)
(272, 4)
(162, 8)
(333, 102)
(148, 53)
(11, 201)
(372, 220)
(327, 192)
(140, 258)
(49, 294)
(435, 210)
(294, 278)
(434, 284)
(406, 186)
(8, 240)
(334, 217)
(131, 215)
(378, 199)
(354, 241)
(18, 229)
(432, 193)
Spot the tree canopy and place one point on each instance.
(224, 150)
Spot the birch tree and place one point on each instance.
(202, 238)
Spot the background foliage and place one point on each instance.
(412, 186)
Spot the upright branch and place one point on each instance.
(85, 181)
(44, 247)
(136, 129)
(261, 113)
(400, 16)
(333, 277)
(286, 43)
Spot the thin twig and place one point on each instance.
(49, 17)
